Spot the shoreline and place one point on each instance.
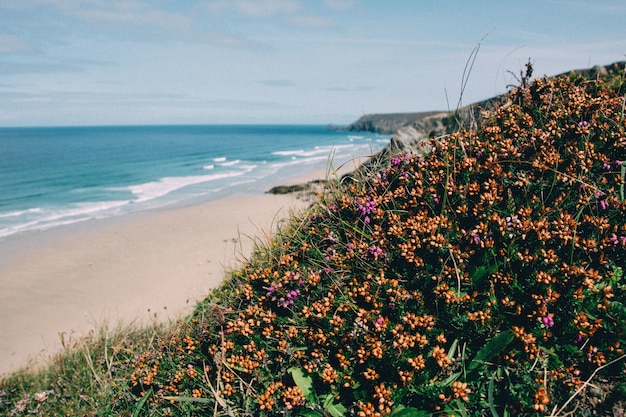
(152, 265)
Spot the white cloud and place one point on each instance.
(340, 4)
(258, 8)
(311, 21)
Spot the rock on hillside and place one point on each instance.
(385, 123)
(416, 129)
(412, 131)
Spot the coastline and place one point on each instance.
(153, 265)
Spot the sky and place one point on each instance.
(128, 62)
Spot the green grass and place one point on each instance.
(486, 278)
(89, 377)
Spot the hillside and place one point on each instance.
(483, 277)
(486, 274)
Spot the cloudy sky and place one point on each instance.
(103, 62)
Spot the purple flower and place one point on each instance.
(289, 298)
(366, 207)
(377, 252)
(606, 166)
(603, 204)
(548, 321)
(583, 123)
(397, 160)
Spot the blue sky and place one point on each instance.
(104, 62)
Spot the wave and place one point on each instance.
(18, 213)
(220, 159)
(318, 150)
(155, 189)
(230, 163)
(47, 218)
(208, 167)
(307, 161)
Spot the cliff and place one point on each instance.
(412, 132)
(385, 123)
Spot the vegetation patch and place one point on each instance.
(487, 275)
(485, 278)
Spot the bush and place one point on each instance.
(488, 275)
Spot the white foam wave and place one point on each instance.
(208, 167)
(155, 189)
(230, 163)
(20, 212)
(48, 218)
(318, 150)
(220, 159)
(289, 153)
(164, 186)
(307, 161)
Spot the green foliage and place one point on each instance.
(483, 278)
(90, 377)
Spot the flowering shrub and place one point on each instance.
(487, 275)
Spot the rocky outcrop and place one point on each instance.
(385, 124)
(308, 191)
(412, 132)
(415, 130)
(415, 137)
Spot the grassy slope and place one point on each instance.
(485, 277)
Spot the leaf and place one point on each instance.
(141, 403)
(304, 382)
(449, 380)
(496, 345)
(453, 347)
(482, 272)
(492, 406)
(456, 407)
(335, 410)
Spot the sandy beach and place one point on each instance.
(134, 267)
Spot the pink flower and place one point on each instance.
(548, 321)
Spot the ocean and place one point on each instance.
(54, 176)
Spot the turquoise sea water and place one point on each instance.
(55, 176)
